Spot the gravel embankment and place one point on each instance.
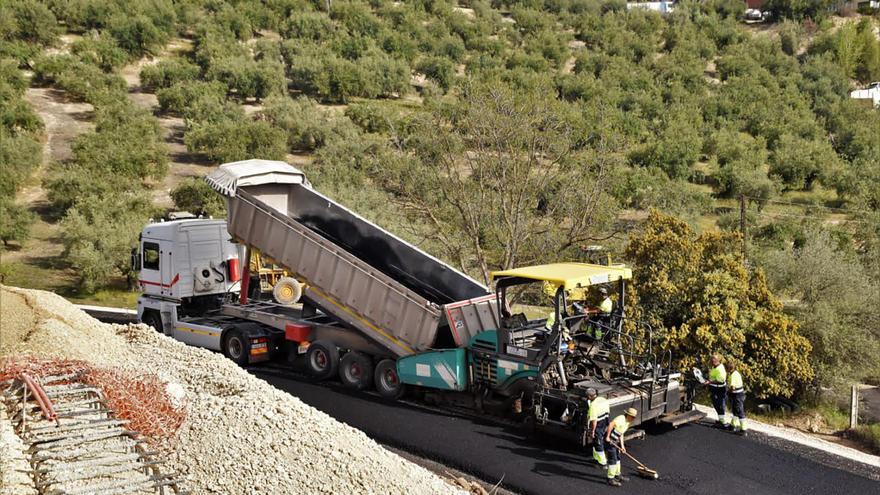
(241, 435)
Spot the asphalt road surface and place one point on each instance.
(692, 459)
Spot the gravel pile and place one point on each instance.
(241, 435)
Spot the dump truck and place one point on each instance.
(377, 312)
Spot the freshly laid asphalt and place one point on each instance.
(691, 459)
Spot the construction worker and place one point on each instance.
(602, 318)
(737, 399)
(597, 418)
(614, 444)
(718, 390)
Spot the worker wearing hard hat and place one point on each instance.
(597, 425)
(737, 398)
(615, 444)
(718, 390)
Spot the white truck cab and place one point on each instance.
(185, 263)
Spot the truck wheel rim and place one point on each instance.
(390, 379)
(235, 347)
(319, 360)
(286, 292)
(354, 372)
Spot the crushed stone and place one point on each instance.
(241, 435)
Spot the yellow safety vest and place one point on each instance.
(735, 383)
(606, 306)
(620, 427)
(550, 320)
(718, 374)
(599, 409)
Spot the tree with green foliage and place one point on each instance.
(98, 234)
(197, 197)
(308, 127)
(800, 162)
(182, 96)
(15, 221)
(229, 140)
(503, 177)
(700, 299)
(137, 34)
(166, 73)
(836, 306)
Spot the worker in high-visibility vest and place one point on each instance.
(737, 398)
(614, 444)
(602, 314)
(718, 390)
(598, 415)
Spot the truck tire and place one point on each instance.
(322, 359)
(356, 370)
(153, 319)
(387, 381)
(235, 347)
(287, 291)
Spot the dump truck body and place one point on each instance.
(351, 268)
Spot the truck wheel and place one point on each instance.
(322, 359)
(287, 291)
(235, 347)
(387, 381)
(356, 370)
(153, 319)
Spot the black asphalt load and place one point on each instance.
(691, 459)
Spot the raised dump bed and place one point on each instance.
(369, 279)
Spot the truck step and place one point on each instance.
(677, 419)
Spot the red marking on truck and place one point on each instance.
(167, 286)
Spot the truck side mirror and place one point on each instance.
(135, 260)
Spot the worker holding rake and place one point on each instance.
(614, 444)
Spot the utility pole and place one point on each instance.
(742, 224)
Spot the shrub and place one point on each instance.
(739, 177)
(230, 140)
(15, 221)
(98, 234)
(308, 127)
(102, 51)
(196, 196)
(31, 21)
(372, 117)
(182, 95)
(168, 72)
(696, 292)
(19, 156)
(248, 78)
(126, 143)
(136, 34)
(439, 70)
(82, 81)
(799, 162)
(314, 26)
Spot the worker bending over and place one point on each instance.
(598, 416)
(615, 444)
(737, 399)
(718, 390)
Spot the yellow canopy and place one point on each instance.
(569, 275)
